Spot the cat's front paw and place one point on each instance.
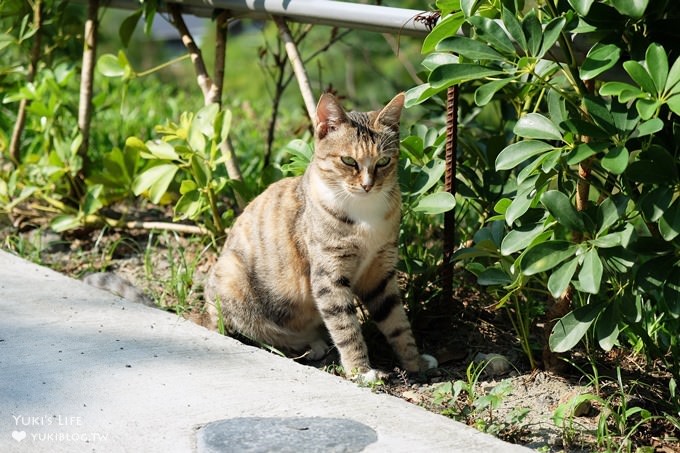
(370, 377)
(317, 350)
(427, 362)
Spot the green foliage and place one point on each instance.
(618, 420)
(462, 401)
(590, 169)
(188, 153)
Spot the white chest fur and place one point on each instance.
(371, 214)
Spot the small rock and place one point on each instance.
(496, 364)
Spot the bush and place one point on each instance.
(584, 193)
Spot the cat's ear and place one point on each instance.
(329, 115)
(390, 114)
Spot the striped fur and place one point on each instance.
(304, 251)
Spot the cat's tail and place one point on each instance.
(119, 286)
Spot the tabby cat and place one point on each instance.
(303, 251)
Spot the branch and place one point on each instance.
(221, 29)
(202, 77)
(87, 79)
(167, 226)
(15, 142)
(212, 91)
(298, 67)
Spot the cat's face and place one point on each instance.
(357, 153)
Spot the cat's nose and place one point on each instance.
(367, 187)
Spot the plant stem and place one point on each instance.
(162, 65)
(298, 67)
(215, 212)
(87, 81)
(15, 141)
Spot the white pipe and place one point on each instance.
(381, 19)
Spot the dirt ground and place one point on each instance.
(507, 398)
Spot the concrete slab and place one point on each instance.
(83, 370)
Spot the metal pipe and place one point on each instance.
(382, 19)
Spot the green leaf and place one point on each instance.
(609, 212)
(561, 277)
(522, 201)
(671, 292)
(520, 238)
(468, 48)
(204, 120)
(657, 65)
(640, 75)
(652, 274)
(430, 175)
(546, 255)
(561, 208)
(616, 160)
(447, 6)
(647, 108)
(600, 58)
(673, 103)
(223, 132)
(551, 33)
(669, 223)
(92, 202)
(590, 275)
(162, 150)
(655, 203)
(436, 203)
(648, 128)
(187, 186)
(491, 32)
(6, 40)
(485, 93)
(654, 166)
(569, 330)
(155, 181)
(445, 28)
(189, 205)
(200, 171)
(127, 27)
(454, 74)
(493, 277)
(109, 66)
(437, 59)
(420, 93)
(469, 7)
(624, 91)
(533, 32)
(535, 125)
(583, 151)
(582, 7)
(64, 222)
(515, 154)
(673, 80)
(601, 113)
(513, 26)
(630, 8)
(607, 328)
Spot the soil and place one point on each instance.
(521, 402)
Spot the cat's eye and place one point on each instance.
(383, 161)
(349, 161)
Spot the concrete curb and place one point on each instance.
(83, 370)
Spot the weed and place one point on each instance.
(618, 422)
(465, 403)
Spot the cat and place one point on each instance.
(304, 250)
